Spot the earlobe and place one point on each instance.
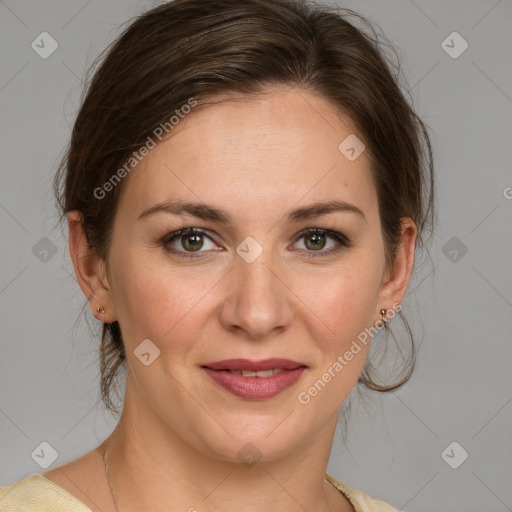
(89, 270)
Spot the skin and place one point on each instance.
(176, 443)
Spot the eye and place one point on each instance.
(322, 241)
(189, 240)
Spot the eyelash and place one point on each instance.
(341, 239)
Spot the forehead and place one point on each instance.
(255, 153)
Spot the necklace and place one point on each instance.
(105, 463)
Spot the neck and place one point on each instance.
(152, 468)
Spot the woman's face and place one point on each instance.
(253, 286)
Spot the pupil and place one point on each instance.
(318, 240)
(193, 242)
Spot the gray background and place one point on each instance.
(461, 390)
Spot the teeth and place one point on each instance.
(250, 373)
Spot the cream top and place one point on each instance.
(36, 493)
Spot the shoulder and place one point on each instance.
(37, 494)
(360, 500)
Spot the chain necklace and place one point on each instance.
(105, 463)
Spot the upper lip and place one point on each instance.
(261, 365)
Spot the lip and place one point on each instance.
(255, 388)
(248, 364)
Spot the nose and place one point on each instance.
(258, 302)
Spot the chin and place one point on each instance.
(252, 438)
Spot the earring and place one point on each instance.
(383, 315)
(100, 310)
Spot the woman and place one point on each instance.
(245, 189)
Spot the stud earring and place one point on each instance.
(383, 315)
(100, 310)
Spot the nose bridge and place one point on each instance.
(258, 301)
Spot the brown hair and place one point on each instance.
(200, 49)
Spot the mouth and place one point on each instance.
(255, 380)
(250, 373)
(249, 365)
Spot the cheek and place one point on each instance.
(344, 300)
(340, 308)
(152, 301)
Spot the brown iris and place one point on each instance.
(318, 241)
(192, 242)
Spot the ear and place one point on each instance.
(398, 274)
(90, 271)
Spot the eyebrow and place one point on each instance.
(207, 212)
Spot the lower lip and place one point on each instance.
(255, 388)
